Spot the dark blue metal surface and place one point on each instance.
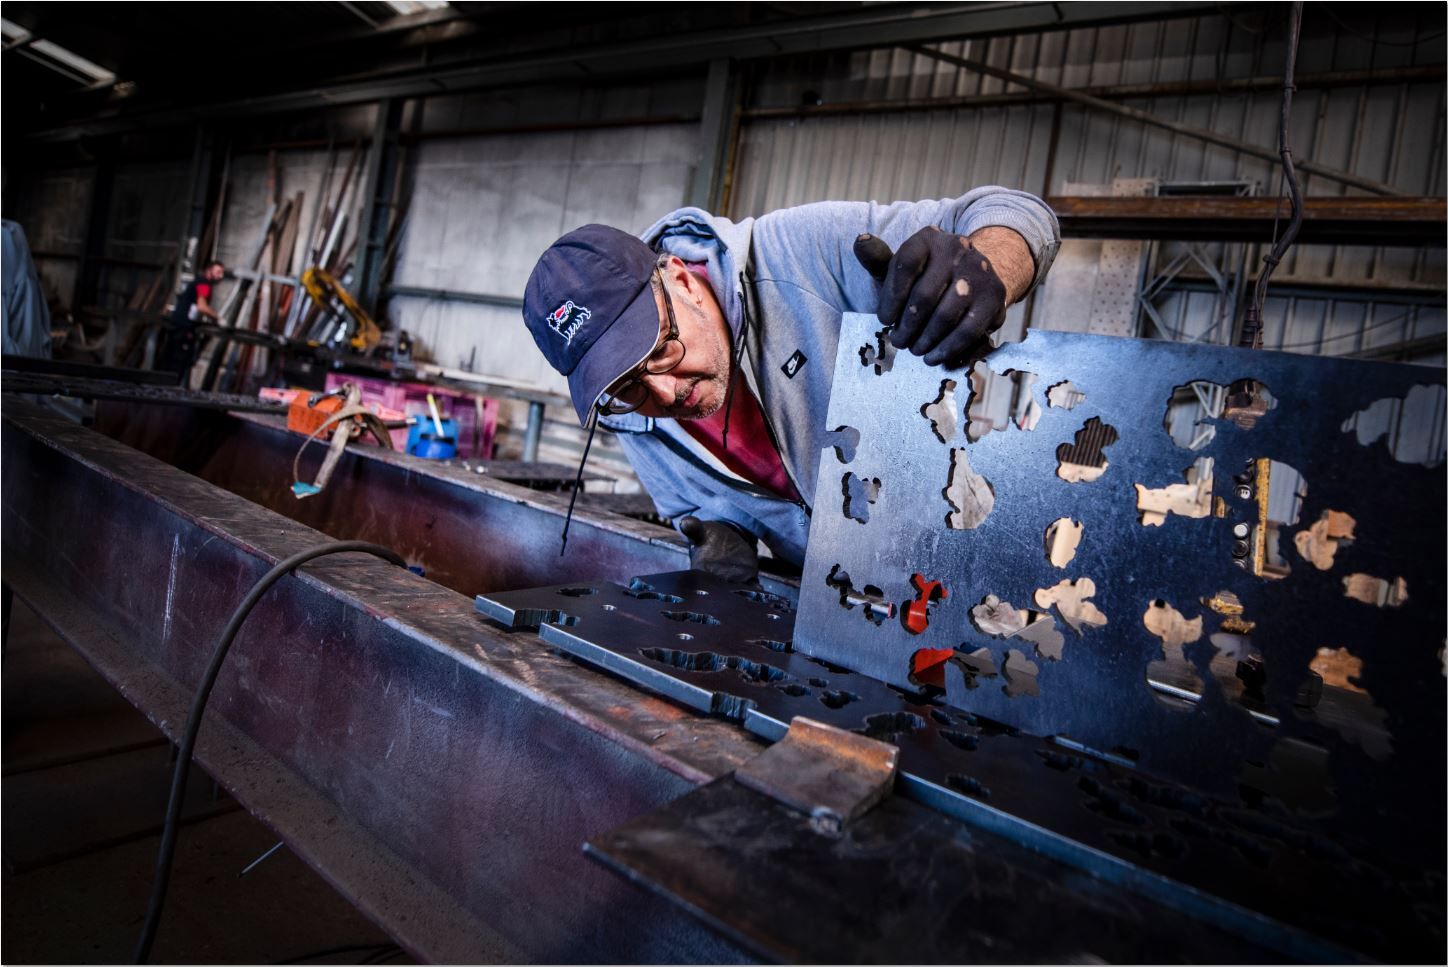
(1311, 765)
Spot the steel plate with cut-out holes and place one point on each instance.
(1207, 856)
(1240, 703)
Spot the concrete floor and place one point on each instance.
(85, 785)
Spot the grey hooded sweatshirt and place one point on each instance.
(792, 274)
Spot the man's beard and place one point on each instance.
(679, 412)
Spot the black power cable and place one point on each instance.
(1252, 323)
(187, 745)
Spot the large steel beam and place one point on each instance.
(469, 531)
(1327, 221)
(439, 771)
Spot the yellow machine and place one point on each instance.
(324, 288)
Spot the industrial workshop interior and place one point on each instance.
(724, 483)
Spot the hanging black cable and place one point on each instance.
(578, 483)
(187, 746)
(1252, 323)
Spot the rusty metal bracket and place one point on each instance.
(833, 775)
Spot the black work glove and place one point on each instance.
(939, 294)
(720, 549)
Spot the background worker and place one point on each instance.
(708, 346)
(178, 353)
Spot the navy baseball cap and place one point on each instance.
(591, 309)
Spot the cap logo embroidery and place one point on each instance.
(567, 319)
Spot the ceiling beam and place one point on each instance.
(876, 26)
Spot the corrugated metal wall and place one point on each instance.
(484, 208)
(1391, 132)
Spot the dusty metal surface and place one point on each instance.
(1188, 629)
(902, 884)
(440, 771)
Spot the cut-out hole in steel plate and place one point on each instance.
(941, 412)
(871, 599)
(1063, 536)
(1084, 459)
(1071, 601)
(961, 740)
(1194, 406)
(1320, 543)
(793, 690)
(577, 592)
(1105, 801)
(1064, 396)
(708, 661)
(1375, 591)
(999, 401)
(845, 440)
(915, 616)
(694, 617)
(859, 494)
(881, 355)
(1060, 761)
(1278, 491)
(533, 617)
(1191, 499)
(969, 495)
(772, 644)
(889, 726)
(837, 698)
(765, 598)
(1172, 678)
(643, 591)
(1021, 675)
(976, 665)
(1345, 705)
(1001, 619)
(1412, 424)
(969, 785)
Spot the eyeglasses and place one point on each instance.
(632, 392)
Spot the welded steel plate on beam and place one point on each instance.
(1224, 566)
(901, 884)
(1261, 873)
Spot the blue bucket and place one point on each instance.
(424, 441)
